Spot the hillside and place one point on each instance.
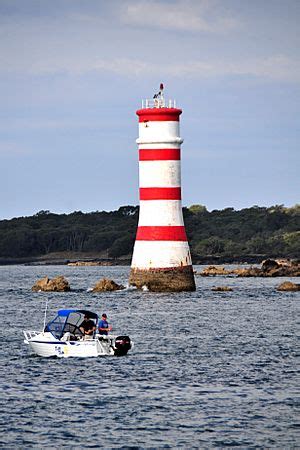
(227, 235)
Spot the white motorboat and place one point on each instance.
(63, 338)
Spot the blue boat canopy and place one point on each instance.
(66, 312)
(69, 320)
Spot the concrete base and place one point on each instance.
(173, 279)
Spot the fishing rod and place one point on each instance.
(45, 314)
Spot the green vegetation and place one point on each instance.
(252, 233)
(248, 234)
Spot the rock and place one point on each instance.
(90, 263)
(269, 268)
(83, 263)
(107, 285)
(57, 284)
(288, 286)
(272, 268)
(221, 289)
(269, 264)
(213, 271)
(251, 272)
(280, 268)
(170, 279)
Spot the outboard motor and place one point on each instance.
(122, 345)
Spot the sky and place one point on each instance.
(74, 72)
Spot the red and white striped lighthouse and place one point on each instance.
(161, 256)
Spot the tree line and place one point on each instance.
(229, 234)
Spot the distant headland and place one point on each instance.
(248, 235)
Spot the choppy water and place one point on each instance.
(209, 369)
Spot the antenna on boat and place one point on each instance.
(45, 314)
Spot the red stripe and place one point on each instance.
(159, 114)
(158, 193)
(161, 233)
(162, 154)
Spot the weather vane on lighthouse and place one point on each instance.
(161, 258)
(160, 94)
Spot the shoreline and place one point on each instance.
(81, 259)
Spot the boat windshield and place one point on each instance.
(69, 321)
(56, 326)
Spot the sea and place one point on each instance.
(208, 369)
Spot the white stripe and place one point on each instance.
(160, 254)
(159, 146)
(159, 174)
(163, 131)
(160, 213)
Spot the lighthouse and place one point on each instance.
(161, 258)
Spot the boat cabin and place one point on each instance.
(69, 321)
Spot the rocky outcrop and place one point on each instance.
(107, 285)
(90, 263)
(221, 289)
(215, 270)
(272, 268)
(57, 284)
(280, 268)
(288, 286)
(173, 279)
(251, 272)
(269, 268)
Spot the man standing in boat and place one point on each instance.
(103, 325)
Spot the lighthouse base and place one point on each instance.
(172, 279)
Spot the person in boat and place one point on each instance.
(87, 327)
(103, 326)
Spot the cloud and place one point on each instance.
(11, 148)
(276, 67)
(182, 15)
(37, 124)
(120, 39)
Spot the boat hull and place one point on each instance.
(44, 344)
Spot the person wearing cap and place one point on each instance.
(103, 326)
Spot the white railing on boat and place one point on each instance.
(158, 103)
(29, 334)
